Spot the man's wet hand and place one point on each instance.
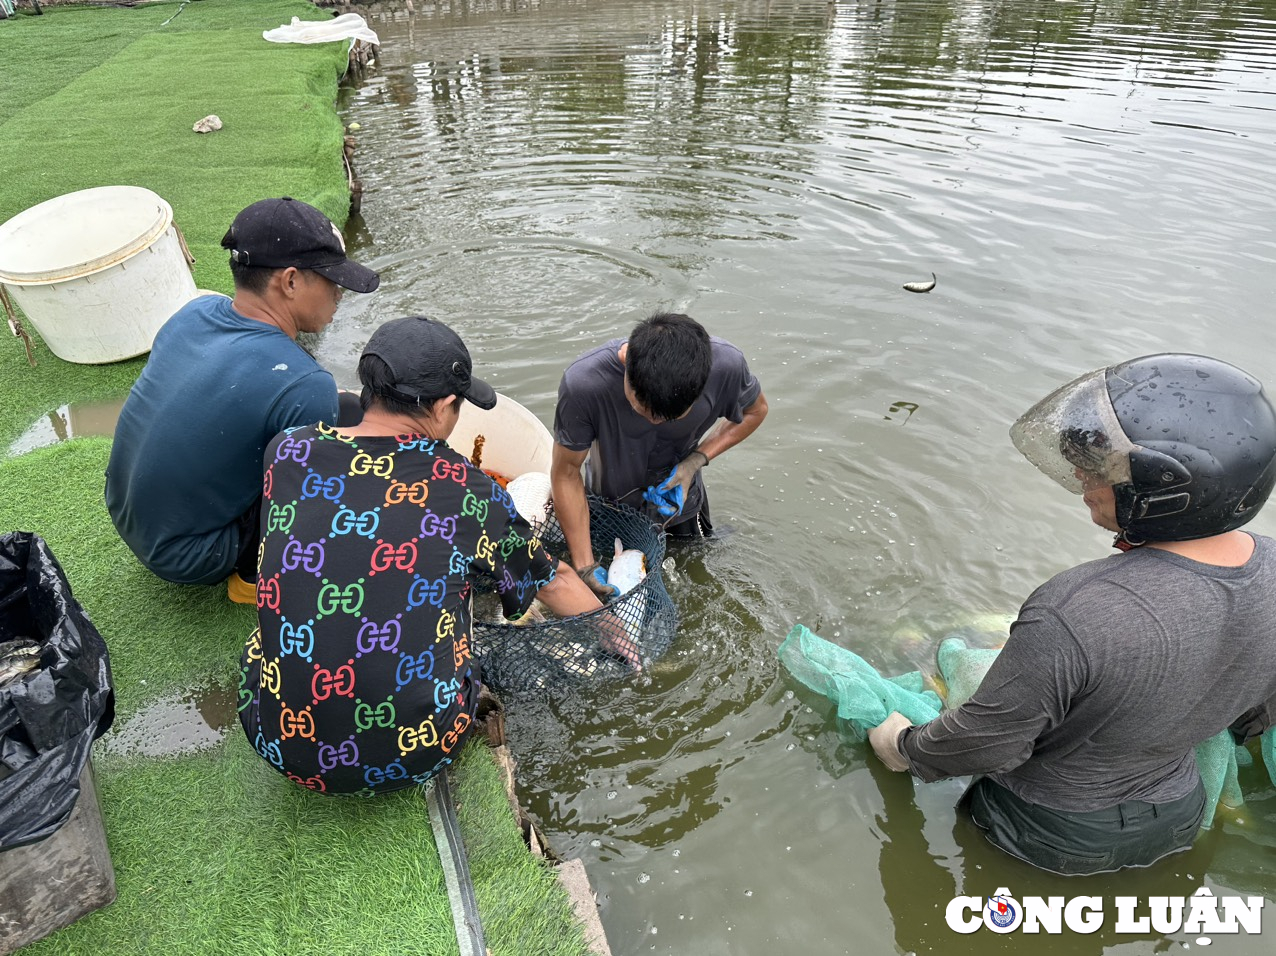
(614, 638)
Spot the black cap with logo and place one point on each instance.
(428, 361)
(278, 233)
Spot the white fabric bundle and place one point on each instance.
(348, 26)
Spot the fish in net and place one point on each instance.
(549, 653)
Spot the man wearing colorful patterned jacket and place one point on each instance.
(359, 677)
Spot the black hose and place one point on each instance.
(456, 866)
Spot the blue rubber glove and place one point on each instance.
(595, 578)
(668, 501)
(670, 495)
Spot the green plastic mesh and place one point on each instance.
(598, 646)
(865, 698)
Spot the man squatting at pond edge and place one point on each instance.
(637, 415)
(183, 485)
(360, 676)
(1081, 734)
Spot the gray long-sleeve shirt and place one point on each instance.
(1113, 672)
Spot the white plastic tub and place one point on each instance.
(514, 440)
(96, 271)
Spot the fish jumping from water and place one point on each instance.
(921, 286)
(18, 658)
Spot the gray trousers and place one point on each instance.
(1133, 833)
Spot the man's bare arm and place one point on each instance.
(570, 503)
(732, 433)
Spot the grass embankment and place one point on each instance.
(213, 851)
(97, 97)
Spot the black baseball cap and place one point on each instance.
(278, 233)
(428, 361)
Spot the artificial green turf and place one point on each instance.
(214, 852)
(97, 97)
(164, 637)
(79, 41)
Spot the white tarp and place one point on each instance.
(348, 26)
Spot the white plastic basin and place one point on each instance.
(96, 271)
(514, 440)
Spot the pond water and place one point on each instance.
(1088, 182)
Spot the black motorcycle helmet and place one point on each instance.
(1187, 442)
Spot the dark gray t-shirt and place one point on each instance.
(626, 452)
(1114, 671)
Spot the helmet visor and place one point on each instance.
(1073, 434)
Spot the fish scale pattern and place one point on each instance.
(593, 647)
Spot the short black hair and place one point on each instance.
(251, 278)
(379, 389)
(667, 363)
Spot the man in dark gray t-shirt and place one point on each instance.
(640, 416)
(1084, 728)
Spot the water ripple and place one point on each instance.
(1088, 183)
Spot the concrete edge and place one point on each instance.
(570, 873)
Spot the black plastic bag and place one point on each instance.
(50, 716)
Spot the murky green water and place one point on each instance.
(1089, 182)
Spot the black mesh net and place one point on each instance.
(636, 627)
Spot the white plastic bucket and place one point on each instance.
(96, 271)
(514, 440)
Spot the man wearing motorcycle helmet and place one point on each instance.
(1082, 733)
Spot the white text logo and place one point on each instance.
(1199, 914)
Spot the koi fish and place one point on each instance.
(921, 286)
(628, 568)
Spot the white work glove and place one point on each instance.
(885, 740)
